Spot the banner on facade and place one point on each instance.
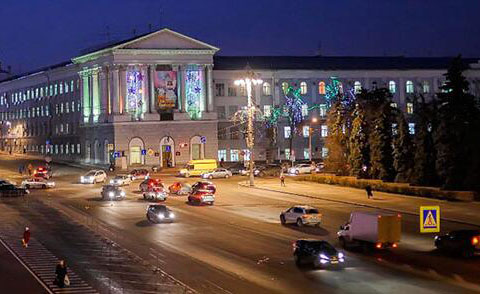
(165, 85)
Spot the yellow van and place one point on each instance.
(198, 167)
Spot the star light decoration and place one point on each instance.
(193, 89)
(135, 92)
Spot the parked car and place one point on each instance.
(8, 190)
(217, 173)
(304, 168)
(150, 183)
(156, 193)
(112, 192)
(139, 174)
(93, 177)
(317, 253)
(202, 193)
(235, 170)
(158, 213)
(121, 180)
(42, 172)
(319, 167)
(37, 183)
(301, 215)
(179, 188)
(463, 242)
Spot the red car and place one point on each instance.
(150, 184)
(202, 193)
(42, 172)
(179, 188)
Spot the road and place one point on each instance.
(236, 246)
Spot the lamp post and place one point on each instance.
(310, 133)
(248, 82)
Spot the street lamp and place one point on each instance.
(310, 133)
(248, 82)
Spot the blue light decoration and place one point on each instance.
(194, 91)
(135, 93)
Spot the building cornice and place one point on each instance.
(165, 51)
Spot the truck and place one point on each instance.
(376, 230)
(198, 167)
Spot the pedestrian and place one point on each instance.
(61, 278)
(26, 237)
(30, 169)
(20, 169)
(368, 188)
(282, 179)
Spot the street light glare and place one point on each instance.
(314, 119)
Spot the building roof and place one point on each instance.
(334, 62)
(38, 70)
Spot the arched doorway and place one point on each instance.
(197, 148)
(135, 148)
(167, 151)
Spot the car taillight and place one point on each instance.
(294, 245)
(378, 245)
(304, 216)
(394, 245)
(475, 240)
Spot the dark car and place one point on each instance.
(9, 190)
(235, 170)
(140, 174)
(112, 192)
(317, 253)
(157, 213)
(149, 184)
(463, 242)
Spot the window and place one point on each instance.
(324, 152)
(394, 129)
(304, 110)
(61, 88)
(267, 110)
(61, 128)
(409, 87)
(67, 107)
(321, 88)
(267, 90)
(393, 105)
(234, 155)
(284, 87)
(78, 149)
(221, 112)
(323, 110)
(56, 149)
(234, 133)
(61, 149)
(66, 149)
(357, 86)
(66, 128)
(303, 88)
(426, 87)
(66, 87)
(324, 131)
(243, 90)
(71, 85)
(232, 109)
(73, 106)
(306, 131)
(219, 90)
(72, 148)
(287, 132)
(409, 108)
(392, 87)
(411, 128)
(287, 153)
(306, 153)
(232, 91)
(246, 155)
(222, 154)
(61, 107)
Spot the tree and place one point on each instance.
(402, 150)
(358, 144)
(457, 133)
(336, 141)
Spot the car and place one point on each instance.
(463, 242)
(319, 167)
(303, 168)
(235, 170)
(7, 182)
(202, 193)
(121, 180)
(257, 170)
(155, 193)
(139, 174)
(301, 215)
(37, 182)
(9, 190)
(93, 177)
(149, 184)
(112, 192)
(317, 253)
(217, 173)
(42, 172)
(158, 213)
(179, 188)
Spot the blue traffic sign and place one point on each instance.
(203, 139)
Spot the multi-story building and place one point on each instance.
(164, 98)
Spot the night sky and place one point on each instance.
(36, 33)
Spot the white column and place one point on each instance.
(209, 88)
(114, 91)
(122, 91)
(103, 92)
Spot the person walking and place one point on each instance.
(61, 275)
(282, 179)
(30, 169)
(368, 188)
(26, 237)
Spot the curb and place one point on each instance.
(357, 204)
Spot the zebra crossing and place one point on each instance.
(41, 262)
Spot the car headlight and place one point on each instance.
(171, 215)
(112, 182)
(323, 261)
(161, 216)
(82, 179)
(323, 256)
(340, 255)
(111, 194)
(122, 193)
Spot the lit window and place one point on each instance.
(267, 110)
(222, 155)
(73, 106)
(71, 85)
(340, 87)
(61, 107)
(56, 90)
(409, 87)
(67, 108)
(234, 155)
(72, 148)
(56, 149)
(426, 87)
(284, 87)
(61, 128)
(357, 86)
(246, 155)
(61, 149)
(411, 128)
(392, 87)
(303, 88)
(61, 88)
(409, 108)
(78, 149)
(324, 152)
(66, 149)
(287, 132)
(66, 128)
(243, 90)
(306, 131)
(306, 153)
(66, 87)
(41, 92)
(321, 88)
(394, 129)
(267, 90)
(393, 105)
(304, 110)
(287, 153)
(324, 131)
(323, 110)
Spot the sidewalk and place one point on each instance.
(461, 212)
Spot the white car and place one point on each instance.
(301, 215)
(93, 177)
(121, 180)
(217, 173)
(303, 168)
(37, 183)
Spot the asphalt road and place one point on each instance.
(239, 246)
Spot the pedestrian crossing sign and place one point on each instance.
(429, 219)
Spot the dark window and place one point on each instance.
(219, 90)
(232, 91)
(298, 210)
